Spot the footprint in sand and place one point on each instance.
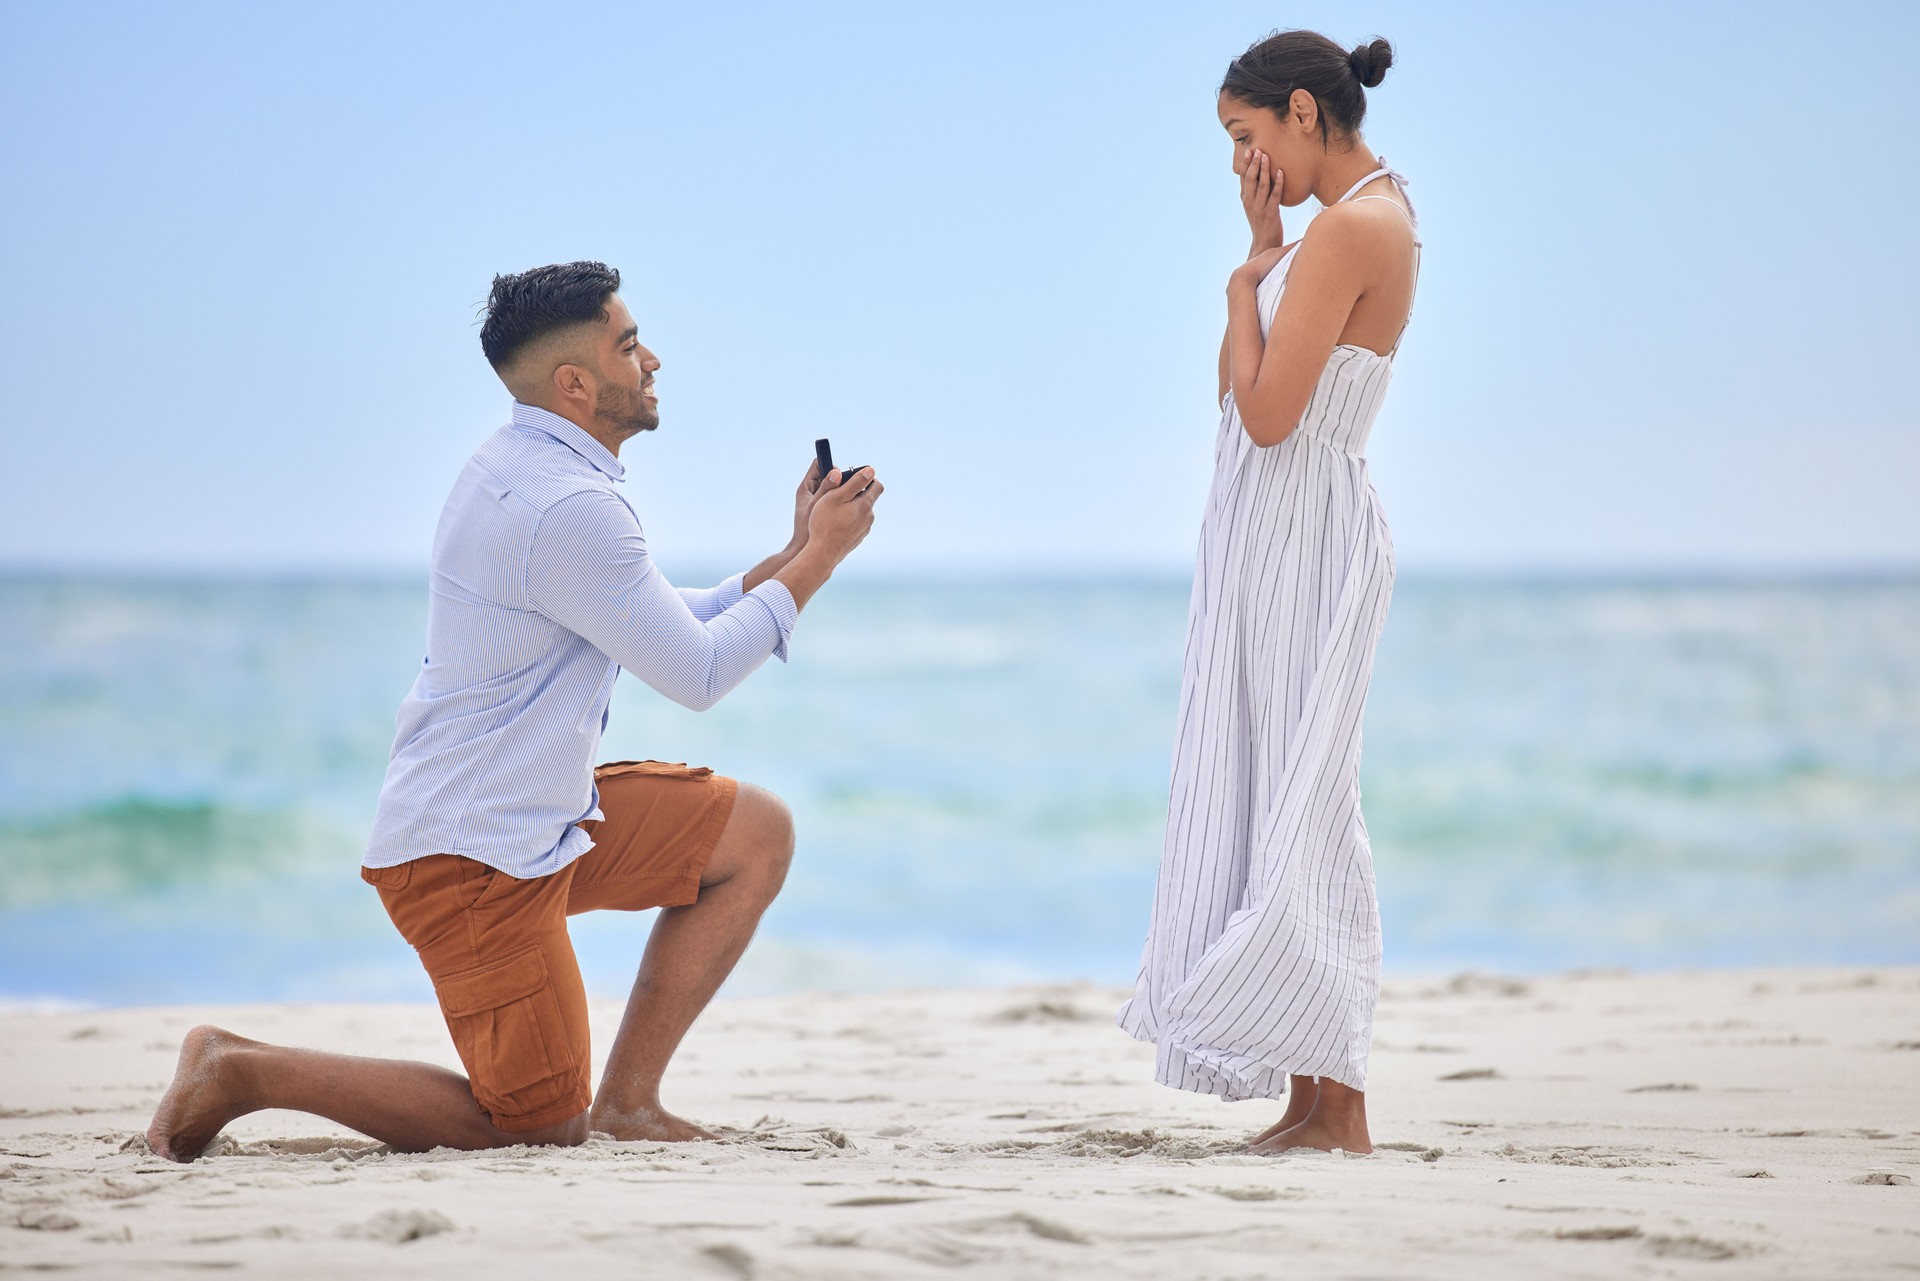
(1033, 1224)
(321, 1145)
(45, 1218)
(1260, 1194)
(1420, 1150)
(1481, 985)
(1587, 1156)
(1108, 1144)
(731, 1257)
(1692, 1247)
(1043, 1012)
(401, 1226)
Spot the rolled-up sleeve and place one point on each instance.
(589, 571)
(773, 594)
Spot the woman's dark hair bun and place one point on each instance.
(1370, 62)
(1271, 71)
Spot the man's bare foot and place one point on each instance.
(202, 1098)
(1302, 1091)
(647, 1125)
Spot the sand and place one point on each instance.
(1724, 1124)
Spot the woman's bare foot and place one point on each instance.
(203, 1097)
(646, 1124)
(1338, 1119)
(1301, 1092)
(1315, 1133)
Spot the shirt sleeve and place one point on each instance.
(589, 571)
(708, 602)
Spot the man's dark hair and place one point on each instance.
(533, 304)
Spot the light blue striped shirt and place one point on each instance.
(542, 590)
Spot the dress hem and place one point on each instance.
(1237, 1084)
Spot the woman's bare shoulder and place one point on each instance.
(1355, 235)
(1361, 223)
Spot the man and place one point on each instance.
(493, 826)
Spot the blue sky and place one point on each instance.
(1666, 322)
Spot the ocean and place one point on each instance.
(1558, 774)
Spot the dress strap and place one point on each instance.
(1395, 349)
(1386, 200)
(1400, 184)
(1381, 172)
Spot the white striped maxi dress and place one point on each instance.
(1263, 954)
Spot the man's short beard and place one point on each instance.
(626, 412)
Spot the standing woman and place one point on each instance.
(1262, 963)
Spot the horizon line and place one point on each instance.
(1593, 573)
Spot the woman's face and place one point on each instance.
(1292, 145)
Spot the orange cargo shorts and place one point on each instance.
(497, 948)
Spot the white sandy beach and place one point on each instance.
(1750, 1124)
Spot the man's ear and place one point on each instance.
(573, 382)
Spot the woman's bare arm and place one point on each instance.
(1273, 380)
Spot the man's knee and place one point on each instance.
(772, 830)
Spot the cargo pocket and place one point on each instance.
(669, 769)
(388, 878)
(511, 1034)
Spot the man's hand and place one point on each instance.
(840, 516)
(843, 512)
(803, 500)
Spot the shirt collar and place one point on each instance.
(533, 418)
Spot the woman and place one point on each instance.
(1261, 967)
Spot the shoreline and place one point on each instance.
(1765, 1121)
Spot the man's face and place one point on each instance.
(625, 399)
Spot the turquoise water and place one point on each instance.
(1557, 774)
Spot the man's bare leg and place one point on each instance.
(410, 1106)
(1338, 1120)
(1301, 1092)
(690, 953)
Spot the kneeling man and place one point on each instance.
(494, 826)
